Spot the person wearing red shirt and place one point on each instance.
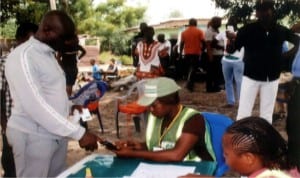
(191, 44)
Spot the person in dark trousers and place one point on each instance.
(68, 57)
(24, 31)
(191, 45)
(164, 51)
(136, 39)
(293, 120)
(262, 41)
(214, 49)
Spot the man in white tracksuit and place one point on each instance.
(38, 128)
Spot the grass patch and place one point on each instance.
(106, 56)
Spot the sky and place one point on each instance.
(159, 10)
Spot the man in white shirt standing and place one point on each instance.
(164, 51)
(38, 128)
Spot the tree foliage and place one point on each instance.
(7, 9)
(23, 10)
(110, 19)
(243, 9)
(8, 29)
(175, 14)
(31, 12)
(107, 21)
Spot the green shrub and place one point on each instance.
(126, 60)
(106, 56)
(91, 42)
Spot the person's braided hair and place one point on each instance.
(255, 135)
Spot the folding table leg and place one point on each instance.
(136, 120)
(100, 120)
(117, 124)
(128, 119)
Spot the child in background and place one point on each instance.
(254, 148)
(112, 70)
(96, 73)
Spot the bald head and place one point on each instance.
(56, 27)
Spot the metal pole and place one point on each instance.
(52, 4)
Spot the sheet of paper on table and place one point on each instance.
(146, 170)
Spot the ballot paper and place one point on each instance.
(145, 170)
(85, 115)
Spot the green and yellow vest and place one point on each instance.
(168, 141)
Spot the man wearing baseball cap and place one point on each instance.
(174, 132)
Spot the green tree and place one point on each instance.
(80, 10)
(14, 12)
(31, 11)
(8, 29)
(23, 10)
(175, 14)
(108, 22)
(7, 9)
(243, 9)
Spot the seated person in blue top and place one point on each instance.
(96, 72)
(174, 132)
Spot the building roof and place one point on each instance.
(172, 23)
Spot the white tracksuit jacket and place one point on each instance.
(38, 88)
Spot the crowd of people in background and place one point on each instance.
(40, 72)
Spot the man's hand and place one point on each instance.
(89, 141)
(125, 152)
(130, 144)
(78, 107)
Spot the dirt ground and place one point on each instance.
(199, 99)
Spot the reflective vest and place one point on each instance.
(168, 141)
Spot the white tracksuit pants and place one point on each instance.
(37, 156)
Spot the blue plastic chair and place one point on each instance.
(218, 124)
(88, 96)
